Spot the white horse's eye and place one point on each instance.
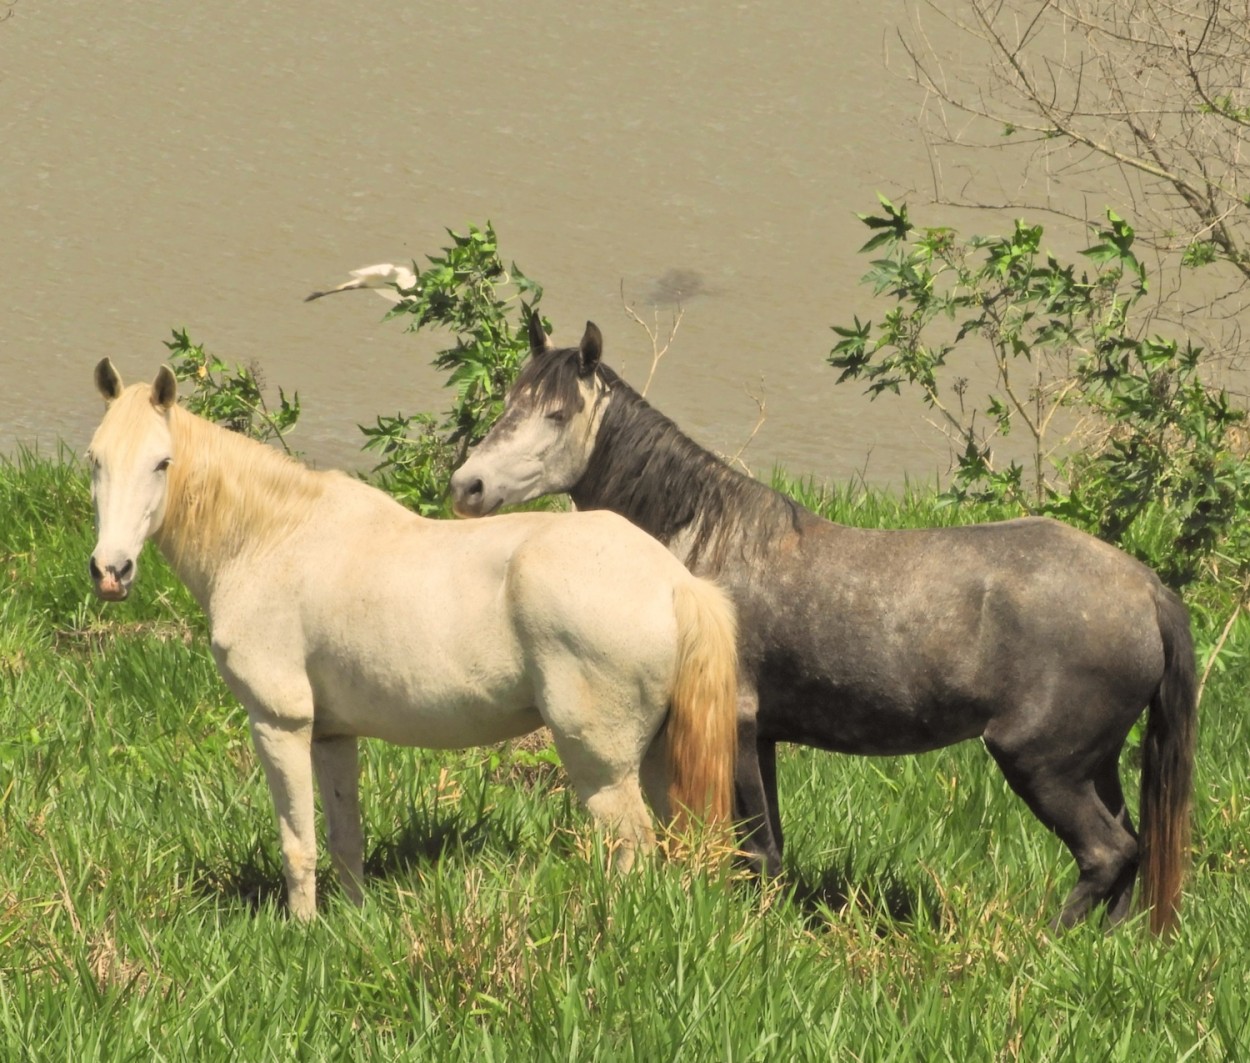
(163, 464)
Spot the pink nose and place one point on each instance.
(108, 583)
(110, 590)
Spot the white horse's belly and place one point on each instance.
(428, 727)
(431, 706)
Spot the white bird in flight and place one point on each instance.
(384, 278)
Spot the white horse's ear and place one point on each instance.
(590, 350)
(539, 340)
(164, 388)
(107, 380)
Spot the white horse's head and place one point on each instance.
(129, 455)
(543, 441)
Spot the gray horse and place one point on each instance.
(1035, 637)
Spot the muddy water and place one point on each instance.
(207, 165)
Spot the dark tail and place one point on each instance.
(1168, 768)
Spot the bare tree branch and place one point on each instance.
(759, 423)
(658, 349)
(1157, 91)
(1141, 105)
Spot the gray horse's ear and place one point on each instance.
(590, 350)
(108, 380)
(539, 340)
(164, 388)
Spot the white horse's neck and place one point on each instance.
(228, 496)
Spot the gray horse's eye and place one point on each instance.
(558, 416)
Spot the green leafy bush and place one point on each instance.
(1148, 456)
(231, 395)
(468, 291)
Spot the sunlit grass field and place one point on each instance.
(142, 913)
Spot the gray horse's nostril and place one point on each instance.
(96, 574)
(475, 488)
(126, 569)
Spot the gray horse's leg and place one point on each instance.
(1065, 799)
(767, 755)
(1107, 785)
(755, 790)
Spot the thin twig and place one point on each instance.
(759, 423)
(653, 333)
(1219, 643)
(66, 899)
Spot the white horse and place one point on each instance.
(337, 614)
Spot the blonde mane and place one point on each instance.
(228, 493)
(225, 493)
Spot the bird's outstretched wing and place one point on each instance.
(386, 278)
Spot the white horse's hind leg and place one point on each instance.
(602, 763)
(337, 765)
(655, 777)
(622, 811)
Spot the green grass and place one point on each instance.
(141, 911)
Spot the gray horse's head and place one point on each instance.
(543, 441)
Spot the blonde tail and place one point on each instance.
(703, 715)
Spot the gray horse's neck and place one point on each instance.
(645, 468)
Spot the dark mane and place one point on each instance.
(549, 380)
(655, 475)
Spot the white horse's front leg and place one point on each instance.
(337, 764)
(284, 750)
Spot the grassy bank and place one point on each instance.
(140, 884)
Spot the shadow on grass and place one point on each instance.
(881, 897)
(427, 839)
(259, 884)
(256, 881)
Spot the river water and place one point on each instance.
(206, 165)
